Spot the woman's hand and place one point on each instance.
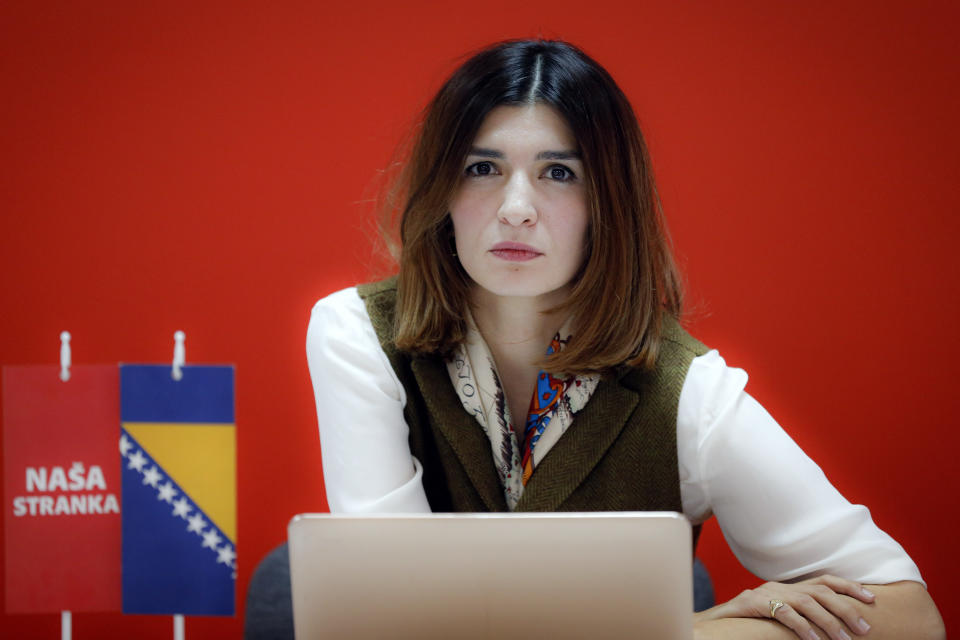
(820, 602)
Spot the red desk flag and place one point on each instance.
(61, 489)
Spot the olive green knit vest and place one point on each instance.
(620, 453)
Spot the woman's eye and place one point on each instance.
(560, 173)
(481, 169)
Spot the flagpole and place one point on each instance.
(179, 359)
(65, 618)
(65, 625)
(66, 621)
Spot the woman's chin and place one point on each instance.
(518, 288)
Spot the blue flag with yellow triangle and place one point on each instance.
(179, 504)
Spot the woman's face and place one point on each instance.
(520, 213)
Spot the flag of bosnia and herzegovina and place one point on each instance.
(179, 504)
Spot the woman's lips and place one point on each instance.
(514, 251)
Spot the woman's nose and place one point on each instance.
(519, 202)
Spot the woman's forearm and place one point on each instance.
(900, 610)
(741, 629)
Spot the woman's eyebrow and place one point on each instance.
(543, 155)
(558, 155)
(485, 153)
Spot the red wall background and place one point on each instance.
(209, 167)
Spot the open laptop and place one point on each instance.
(543, 575)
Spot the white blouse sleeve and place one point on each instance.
(780, 515)
(367, 464)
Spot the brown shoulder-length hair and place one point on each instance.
(628, 280)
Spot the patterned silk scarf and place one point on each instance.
(555, 401)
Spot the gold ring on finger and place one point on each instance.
(775, 606)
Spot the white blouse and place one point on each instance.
(780, 515)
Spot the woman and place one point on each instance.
(535, 264)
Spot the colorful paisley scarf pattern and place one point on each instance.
(552, 407)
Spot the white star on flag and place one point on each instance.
(211, 539)
(125, 445)
(167, 492)
(225, 555)
(197, 524)
(181, 508)
(137, 460)
(151, 476)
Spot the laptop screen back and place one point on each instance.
(556, 575)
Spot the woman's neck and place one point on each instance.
(517, 331)
(517, 323)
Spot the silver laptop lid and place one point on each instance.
(543, 575)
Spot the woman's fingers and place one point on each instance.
(825, 590)
(822, 607)
(825, 611)
(848, 587)
(822, 603)
(788, 617)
